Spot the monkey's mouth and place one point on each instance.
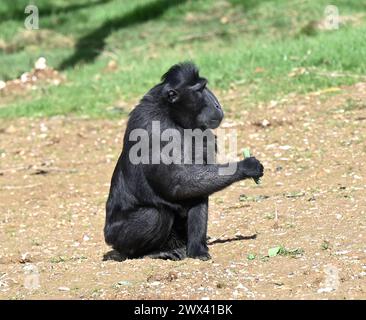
(213, 124)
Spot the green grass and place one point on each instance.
(229, 40)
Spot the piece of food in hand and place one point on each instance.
(246, 154)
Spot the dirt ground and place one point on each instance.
(54, 180)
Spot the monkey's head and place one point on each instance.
(192, 105)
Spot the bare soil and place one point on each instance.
(54, 180)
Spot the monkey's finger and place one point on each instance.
(246, 154)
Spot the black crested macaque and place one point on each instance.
(160, 210)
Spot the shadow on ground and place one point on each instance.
(116, 256)
(88, 48)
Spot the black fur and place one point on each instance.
(161, 210)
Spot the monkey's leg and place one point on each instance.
(173, 254)
(140, 232)
(197, 231)
(175, 246)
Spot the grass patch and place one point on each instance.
(352, 105)
(248, 46)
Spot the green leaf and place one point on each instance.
(251, 256)
(295, 194)
(246, 153)
(274, 251)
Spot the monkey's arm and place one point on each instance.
(179, 182)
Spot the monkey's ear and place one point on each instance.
(200, 85)
(170, 94)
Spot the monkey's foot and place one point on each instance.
(199, 254)
(203, 257)
(174, 254)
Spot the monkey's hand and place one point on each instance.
(251, 168)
